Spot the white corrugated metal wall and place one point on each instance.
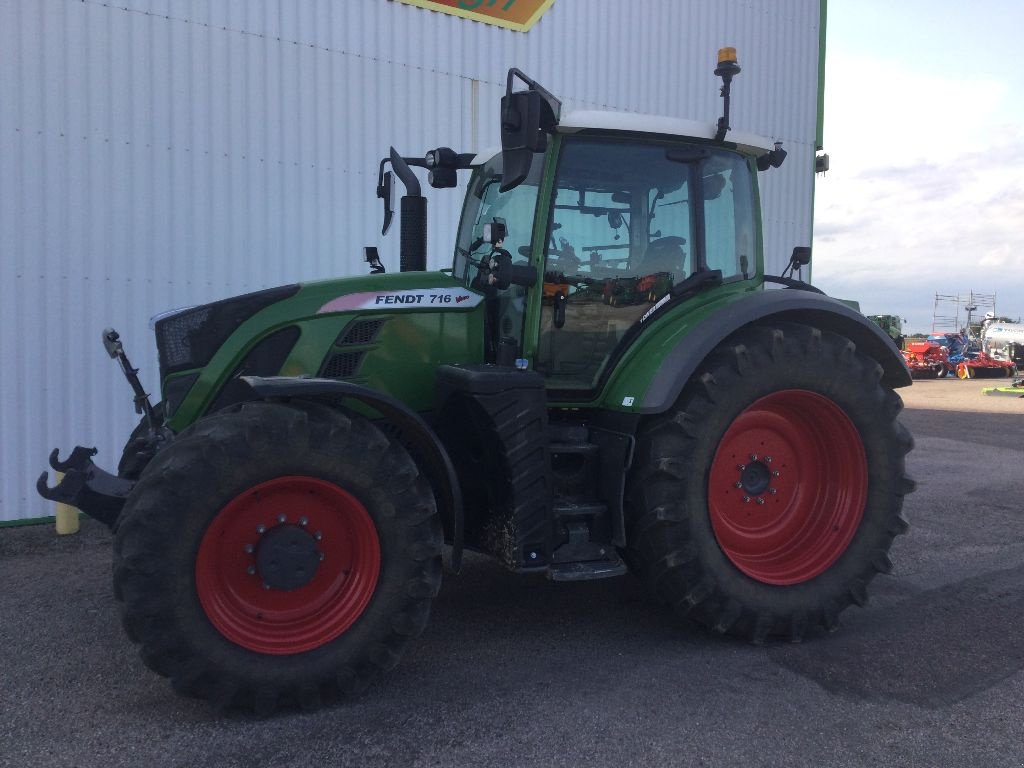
(158, 153)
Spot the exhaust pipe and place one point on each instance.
(412, 248)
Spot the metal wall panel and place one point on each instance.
(160, 153)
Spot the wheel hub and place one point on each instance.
(287, 557)
(755, 478)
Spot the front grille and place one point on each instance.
(190, 339)
(174, 338)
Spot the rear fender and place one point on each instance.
(413, 430)
(797, 306)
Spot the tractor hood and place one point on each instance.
(386, 331)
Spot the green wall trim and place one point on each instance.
(820, 130)
(33, 521)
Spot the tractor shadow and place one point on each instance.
(934, 649)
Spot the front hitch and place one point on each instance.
(85, 486)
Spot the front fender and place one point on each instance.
(806, 307)
(415, 432)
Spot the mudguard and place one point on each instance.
(797, 306)
(414, 431)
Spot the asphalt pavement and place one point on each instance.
(519, 671)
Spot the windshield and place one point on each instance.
(484, 204)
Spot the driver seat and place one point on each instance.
(664, 254)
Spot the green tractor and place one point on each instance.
(892, 325)
(281, 516)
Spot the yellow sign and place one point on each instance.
(519, 15)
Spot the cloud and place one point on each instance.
(926, 191)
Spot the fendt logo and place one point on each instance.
(518, 15)
(419, 298)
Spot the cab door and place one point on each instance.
(628, 220)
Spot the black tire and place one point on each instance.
(701, 547)
(179, 559)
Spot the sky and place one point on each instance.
(924, 128)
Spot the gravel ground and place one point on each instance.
(521, 671)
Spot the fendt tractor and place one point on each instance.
(600, 383)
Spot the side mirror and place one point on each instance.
(521, 122)
(386, 192)
(520, 136)
(526, 119)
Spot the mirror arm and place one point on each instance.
(553, 101)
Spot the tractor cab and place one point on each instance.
(616, 218)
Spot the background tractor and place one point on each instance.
(280, 515)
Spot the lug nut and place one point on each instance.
(773, 491)
(318, 535)
(266, 586)
(248, 549)
(738, 484)
(741, 467)
(767, 459)
(251, 570)
(753, 457)
(760, 500)
(775, 473)
(303, 521)
(746, 499)
(321, 555)
(261, 529)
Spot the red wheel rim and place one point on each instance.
(787, 487)
(325, 520)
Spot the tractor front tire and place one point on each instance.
(277, 554)
(767, 500)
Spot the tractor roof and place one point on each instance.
(580, 120)
(587, 119)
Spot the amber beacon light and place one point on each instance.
(727, 69)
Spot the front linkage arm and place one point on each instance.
(85, 486)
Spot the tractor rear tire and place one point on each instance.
(765, 502)
(277, 554)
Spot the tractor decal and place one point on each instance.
(396, 300)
